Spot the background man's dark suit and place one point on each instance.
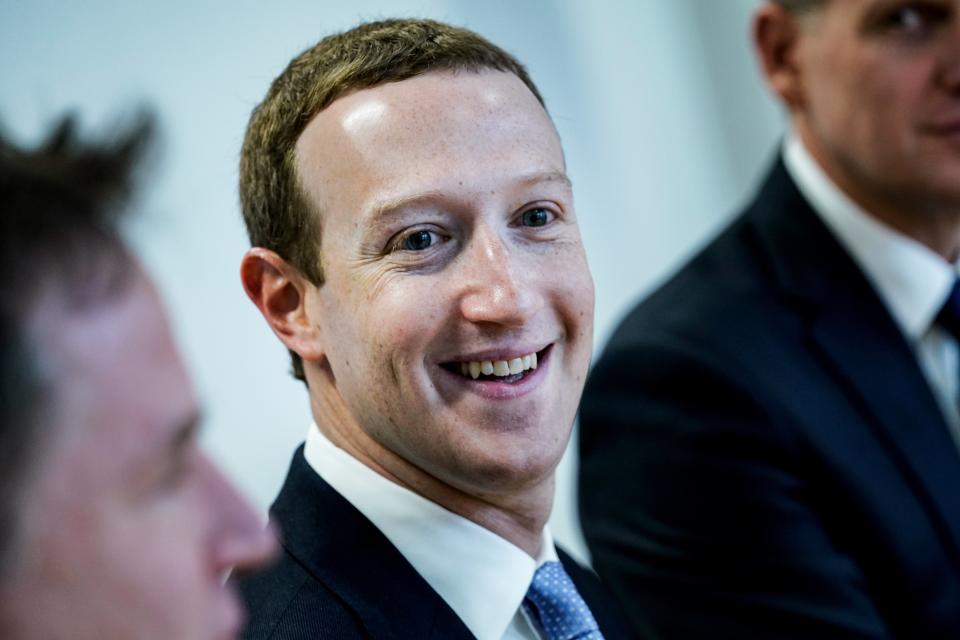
(761, 454)
(339, 577)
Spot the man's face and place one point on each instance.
(880, 103)
(126, 528)
(450, 241)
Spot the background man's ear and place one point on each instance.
(776, 37)
(279, 291)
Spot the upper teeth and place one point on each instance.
(499, 368)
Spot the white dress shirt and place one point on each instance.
(911, 279)
(480, 575)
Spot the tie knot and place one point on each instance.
(555, 602)
(949, 316)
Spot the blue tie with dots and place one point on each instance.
(554, 602)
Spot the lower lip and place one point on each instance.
(504, 390)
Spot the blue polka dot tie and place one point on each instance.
(554, 602)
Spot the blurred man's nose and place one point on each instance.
(238, 537)
(950, 56)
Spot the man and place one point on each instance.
(114, 524)
(770, 441)
(417, 251)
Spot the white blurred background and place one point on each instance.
(666, 126)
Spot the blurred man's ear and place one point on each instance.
(776, 37)
(279, 290)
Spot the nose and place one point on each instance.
(238, 539)
(499, 286)
(950, 62)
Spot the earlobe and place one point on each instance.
(280, 292)
(776, 35)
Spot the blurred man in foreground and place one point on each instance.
(113, 524)
(770, 441)
(416, 249)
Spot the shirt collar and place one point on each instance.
(480, 575)
(911, 279)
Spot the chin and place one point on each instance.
(511, 469)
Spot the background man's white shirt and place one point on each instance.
(911, 279)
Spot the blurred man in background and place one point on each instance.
(770, 441)
(416, 249)
(113, 524)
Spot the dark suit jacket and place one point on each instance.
(762, 456)
(339, 577)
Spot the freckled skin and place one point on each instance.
(465, 145)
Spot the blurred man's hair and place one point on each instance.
(277, 213)
(59, 205)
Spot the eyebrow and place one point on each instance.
(389, 207)
(548, 176)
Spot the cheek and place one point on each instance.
(585, 294)
(575, 295)
(882, 98)
(838, 85)
(371, 319)
(901, 102)
(160, 564)
(159, 548)
(121, 573)
(407, 315)
(381, 348)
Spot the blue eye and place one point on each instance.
(414, 240)
(535, 217)
(418, 240)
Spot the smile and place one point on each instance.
(508, 369)
(499, 368)
(498, 376)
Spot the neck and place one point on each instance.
(517, 515)
(931, 222)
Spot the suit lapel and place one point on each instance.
(601, 604)
(901, 405)
(341, 549)
(862, 346)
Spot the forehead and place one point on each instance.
(437, 131)
(117, 387)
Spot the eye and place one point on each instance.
(915, 19)
(537, 217)
(168, 478)
(173, 478)
(178, 470)
(418, 240)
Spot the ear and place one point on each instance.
(279, 290)
(776, 38)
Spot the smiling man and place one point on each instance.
(113, 523)
(770, 441)
(417, 251)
